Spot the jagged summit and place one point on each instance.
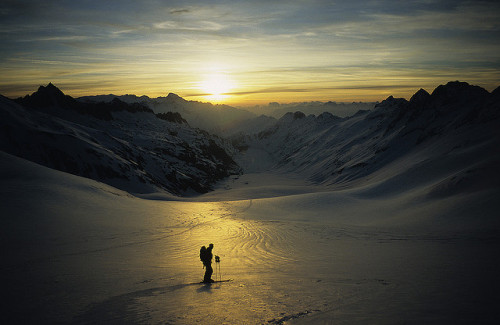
(48, 96)
(50, 88)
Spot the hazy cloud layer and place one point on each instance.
(318, 48)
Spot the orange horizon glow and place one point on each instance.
(222, 89)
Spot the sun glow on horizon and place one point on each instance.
(216, 85)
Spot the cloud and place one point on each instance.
(179, 11)
(251, 92)
(60, 38)
(201, 26)
(316, 89)
(274, 90)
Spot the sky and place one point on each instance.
(248, 52)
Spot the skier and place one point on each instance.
(206, 258)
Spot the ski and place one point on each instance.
(218, 281)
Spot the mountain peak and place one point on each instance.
(51, 85)
(50, 89)
(298, 115)
(420, 96)
(391, 101)
(47, 96)
(458, 91)
(175, 97)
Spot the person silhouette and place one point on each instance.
(207, 262)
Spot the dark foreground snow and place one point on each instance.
(78, 251)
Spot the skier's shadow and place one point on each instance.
(205, 288)
(120, 307)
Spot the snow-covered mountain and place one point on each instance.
(448, 140)
(124, 145)
(206, 116)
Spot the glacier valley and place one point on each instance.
(386, 216)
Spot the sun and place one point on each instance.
(216, 86)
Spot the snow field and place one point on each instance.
(84, 252)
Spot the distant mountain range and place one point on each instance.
(277, 110)
(447, 140)
(213, 118)
(226, 120)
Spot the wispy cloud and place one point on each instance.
(201, 26)
(179, 11)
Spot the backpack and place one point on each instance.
(203, 254)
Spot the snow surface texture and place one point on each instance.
(412, 236)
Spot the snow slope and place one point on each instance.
(447, 141)
(78, 251)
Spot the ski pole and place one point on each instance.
(216, 271)
(217, 264)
